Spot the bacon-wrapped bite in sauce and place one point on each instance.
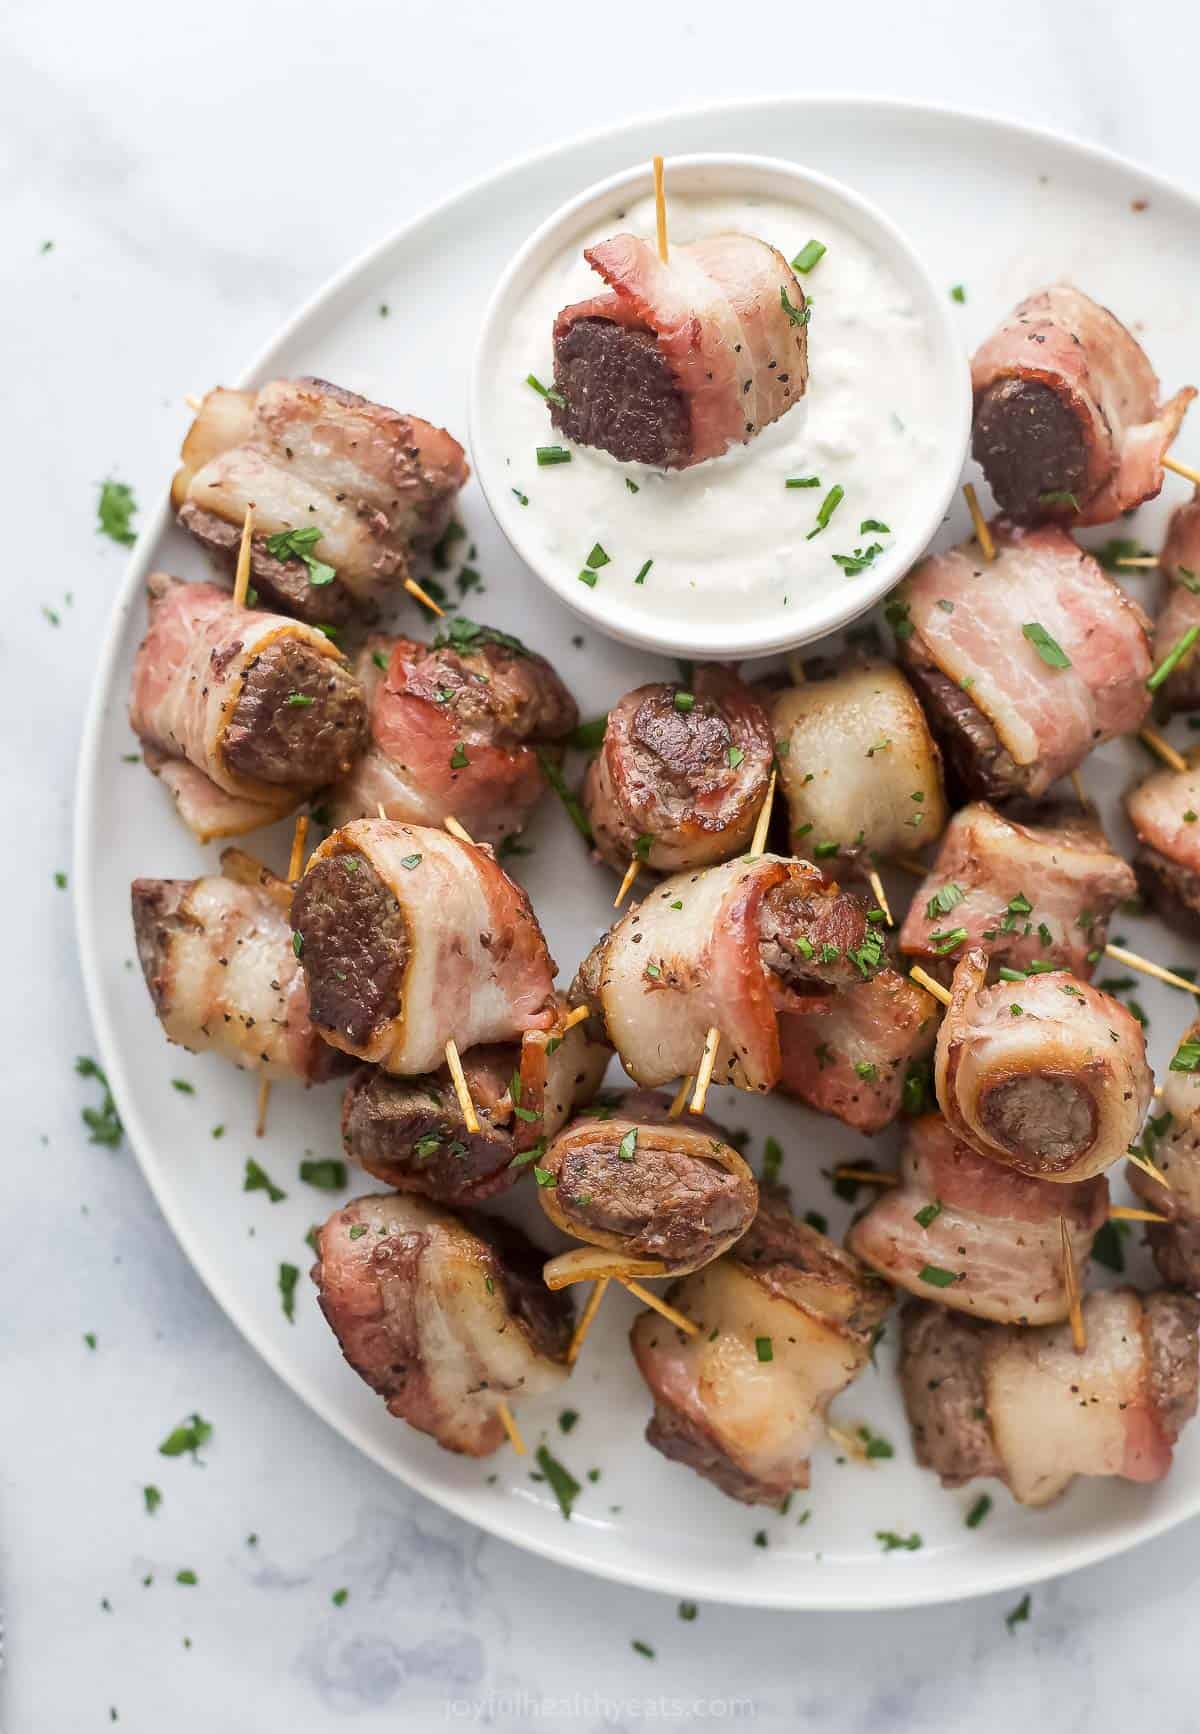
(680, 360)
(454, 730)
(974, 1235)
(410, 1132)
(343, 490)
(1068, 423)
(217, 956)
(1024, 664)
(410, 939)
(445, 1316)
(856, 1054)
(241, 714)
(1022, 1406)
(1165, 814)
(1047, 1075)
(786, 1321)
(857, 765)
(1034, 893)
(660, 1196)
(732, 946)
(681, 773)
(1180, 565)
(1173, 1134)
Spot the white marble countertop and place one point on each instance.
(197, 176)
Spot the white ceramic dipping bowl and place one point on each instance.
(676, 624)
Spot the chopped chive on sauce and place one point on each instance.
(588, 577)
(829, 506)
(544, 391)
(641, 577)
(796, 315)
(978, 1511)
(803, 482)
(597, 557)
(809, 255)
(958, 293)
(522, 499)
(547, 455)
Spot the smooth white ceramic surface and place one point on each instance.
(181, 241)
(681, 625)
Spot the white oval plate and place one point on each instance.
(992, 206)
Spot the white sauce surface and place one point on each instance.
(727, 536)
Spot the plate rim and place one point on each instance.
(1069, 1555)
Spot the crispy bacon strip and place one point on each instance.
(1025, 893)
(1172, 1138)
(1101, 404)
(454, 730)
(717, 312)
(852, 1060)
(1022, 1405)
(308, 455)
(218, 961)
(995, 1231)
(1047, 1075)
(410, 939)
(967, 622)
(1180, 563)
(746, 1423)
(663, 788)
(1163, 812)
(445, 1317)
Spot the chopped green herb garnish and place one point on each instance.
(562, 1483)
(547, 455)
(808, 256)
(340, 1597)
(186, 1576)
(103, 1123)
(190, 1435)
(796, 315)
(1019, 1613)
(685, 701)
(289, 1276)
(641, 577)
(958, 293)
(948, 897)
(764, 1348)
(153, 1499)
(891, 1541)
(803, 482)
(589, 735)
(597, 557)
(458, 758)
(627, 1148)
(928, 1213)
(544, 391)
(258, 1180)
(828, 507)
(687, 1610)
(978, 1511)
(936, 1277)
(772, 1161)
(328, 1174)
(1051, 653)
(1173, 658)
(734, 757)
(298, 545)
(943, 943)
(115, 512)
(1059, 497)
(553, 775)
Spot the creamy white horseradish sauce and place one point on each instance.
(728, 538)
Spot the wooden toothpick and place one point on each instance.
(982, 534)
(1164, 749)
(1189, 475)
(1131, 960)
(458, 1078)
(511, 1428)
(585, 1322)
(880, 896)
(1071, 1284)
(1148, 1167)
(763, 823)
(451, 824)
(241, 581)
(712, 1042)
(681, 1096)
(1127, 1213)
(424, 598)
(867, 1176)
(917, 974)
(1139, 560)
(631, 873)
(264, 1098)
(649, 1299)
(577, 1016)
(660, 209)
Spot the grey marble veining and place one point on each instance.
(199, 174)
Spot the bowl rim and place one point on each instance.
(824, 612)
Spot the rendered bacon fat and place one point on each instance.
(681, 773)
(445, 1317)
(309, 457)
(410, 939)
(1025, 893)
(454, 728)
(1172, 1136)
(1046, 1075)
(218, 960)
(733, 946)
(680, 360)
(1180, 563)
(857, 764)
(1067, 419)
(1025, 664)
(1022, 1405)
(1165, 814)
(786, 1321)
(410, 1132)
(975, 1235)
(240, 713)
(851, 1055)
(672, 1192)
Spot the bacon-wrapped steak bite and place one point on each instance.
(1021, 1405)
(1023, 665)
(410, 1132)
(218, 959)
(445, 1316)
(1164, 811)
(680, 360)
(1047, 1075)
(1031, 892)
(1174, 1136)
(410, 939)
(1067, 419)
(664, 1196)
(857, 764)
(241, 713)
(1180, 564)
(342, 490)
(851, 1055)
(975, 1235)
(454, 728)
(786, 1321)
(681, 773)
(731, 946)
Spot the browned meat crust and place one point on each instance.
(281, 584)
(1030, 445)
(668, 1203)
(1176, 1250)
(978, 767)
(619, 393)
(410, 1132)
(807, 936)
(354, 945)
(1170, 1323)
(941, 1375)
(1037, 1111)
(1171, 889)
(300, 719)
